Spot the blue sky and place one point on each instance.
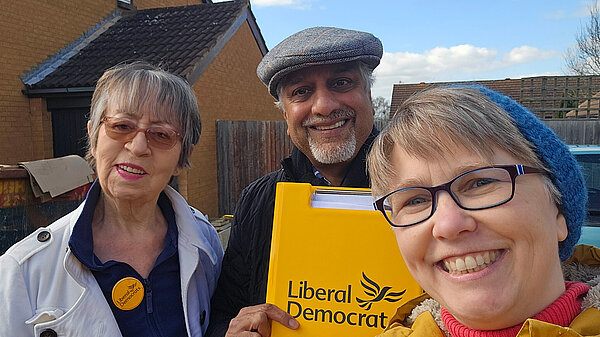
(442, 40)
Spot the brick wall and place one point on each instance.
(31, 31)
(228, 90)
(41, 129)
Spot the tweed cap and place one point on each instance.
(315, 46)
(565, 171)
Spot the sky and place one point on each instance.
(442, 40)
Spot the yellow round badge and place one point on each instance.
(128, 293)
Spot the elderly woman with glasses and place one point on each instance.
(134, 259)
(485, 201)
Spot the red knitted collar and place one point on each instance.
(560, 312)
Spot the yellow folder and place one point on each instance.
(334, 264)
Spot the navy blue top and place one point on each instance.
(161, 311)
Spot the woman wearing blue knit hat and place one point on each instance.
(485, 202)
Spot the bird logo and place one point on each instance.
(377, 293)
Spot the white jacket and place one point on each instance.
(43, 286)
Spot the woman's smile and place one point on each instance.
(470, 263)
(130, 171)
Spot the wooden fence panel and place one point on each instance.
(247, 150)
(576, 131)
(569, 130)
(552, 97)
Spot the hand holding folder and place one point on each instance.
(334, 264)
(258, 318)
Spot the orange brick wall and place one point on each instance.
(228, 90)
(30, 31)
(41, 128)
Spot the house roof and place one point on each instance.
(183, 40)
(589, 107)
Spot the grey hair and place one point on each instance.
(366, 74)
(425, 123)
(139, 87)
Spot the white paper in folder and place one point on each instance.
(342, 199)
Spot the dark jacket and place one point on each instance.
(243, 280)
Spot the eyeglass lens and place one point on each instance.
(477, 189)
(123, 129)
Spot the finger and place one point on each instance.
(264, 329)
(251, 321)
(261, 324)
(258, 318)
(276, 314)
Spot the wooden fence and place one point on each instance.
(569, 130)
(552, 97)
(247, 150)
(576, 131)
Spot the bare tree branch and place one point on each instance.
(584, 58)
(381, 106)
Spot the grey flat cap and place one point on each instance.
(314, 46)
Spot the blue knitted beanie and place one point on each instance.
(565, 171)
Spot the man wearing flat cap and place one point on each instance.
(321, 78)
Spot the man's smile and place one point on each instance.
(329, 127)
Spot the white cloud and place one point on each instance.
(411, 67)
(464, 57)
(526, 54)
(457, 63)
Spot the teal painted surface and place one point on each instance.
(590, 235)
(585, 149)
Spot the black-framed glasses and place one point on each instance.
(124, 130)
(481, 188)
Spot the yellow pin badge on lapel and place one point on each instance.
(128, 293)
